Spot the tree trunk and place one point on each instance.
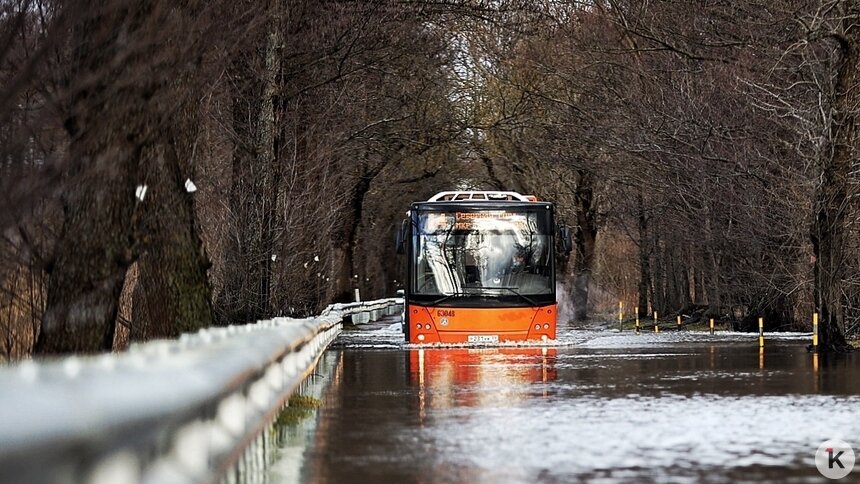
(141, 313)
(828, 234)
(659, 290)
(715, 290)
(266, 154)
(235, 301)
(95, 246)
(173, 266)
(347, 240)
(584, 238)
(683, 283)
(674, 283)
(644, 258)
(246, 295)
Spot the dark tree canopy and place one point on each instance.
(165, 166)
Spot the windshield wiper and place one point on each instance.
(513, 290)
(448, 296)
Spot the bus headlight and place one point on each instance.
(420, 337)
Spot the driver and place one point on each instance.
(517, 263)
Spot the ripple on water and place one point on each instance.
(662, 438)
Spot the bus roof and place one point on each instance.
(489, 196)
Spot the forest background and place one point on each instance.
(171, 165)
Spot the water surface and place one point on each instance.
(620, 407)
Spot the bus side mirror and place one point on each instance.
(402, 237)
(566, 238)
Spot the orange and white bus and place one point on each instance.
(481, 268)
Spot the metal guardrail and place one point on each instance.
(186, 410)
(369, 310)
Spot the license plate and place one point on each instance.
(483, 338)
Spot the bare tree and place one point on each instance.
(835, 159)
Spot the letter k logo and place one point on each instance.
(831, 459)
(834, 459)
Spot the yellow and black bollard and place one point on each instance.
(712, 325)
(815, 332)
(656, 326)
(620, 315)
(679, 322)
(761, 332)
(636, 310)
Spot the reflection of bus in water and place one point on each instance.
(454, 376)
(481, 268)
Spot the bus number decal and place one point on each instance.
(442, 313)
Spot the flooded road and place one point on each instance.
(607, 406)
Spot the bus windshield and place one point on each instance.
(482, 253)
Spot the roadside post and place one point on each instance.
(815, 332)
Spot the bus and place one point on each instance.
(481, 268)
